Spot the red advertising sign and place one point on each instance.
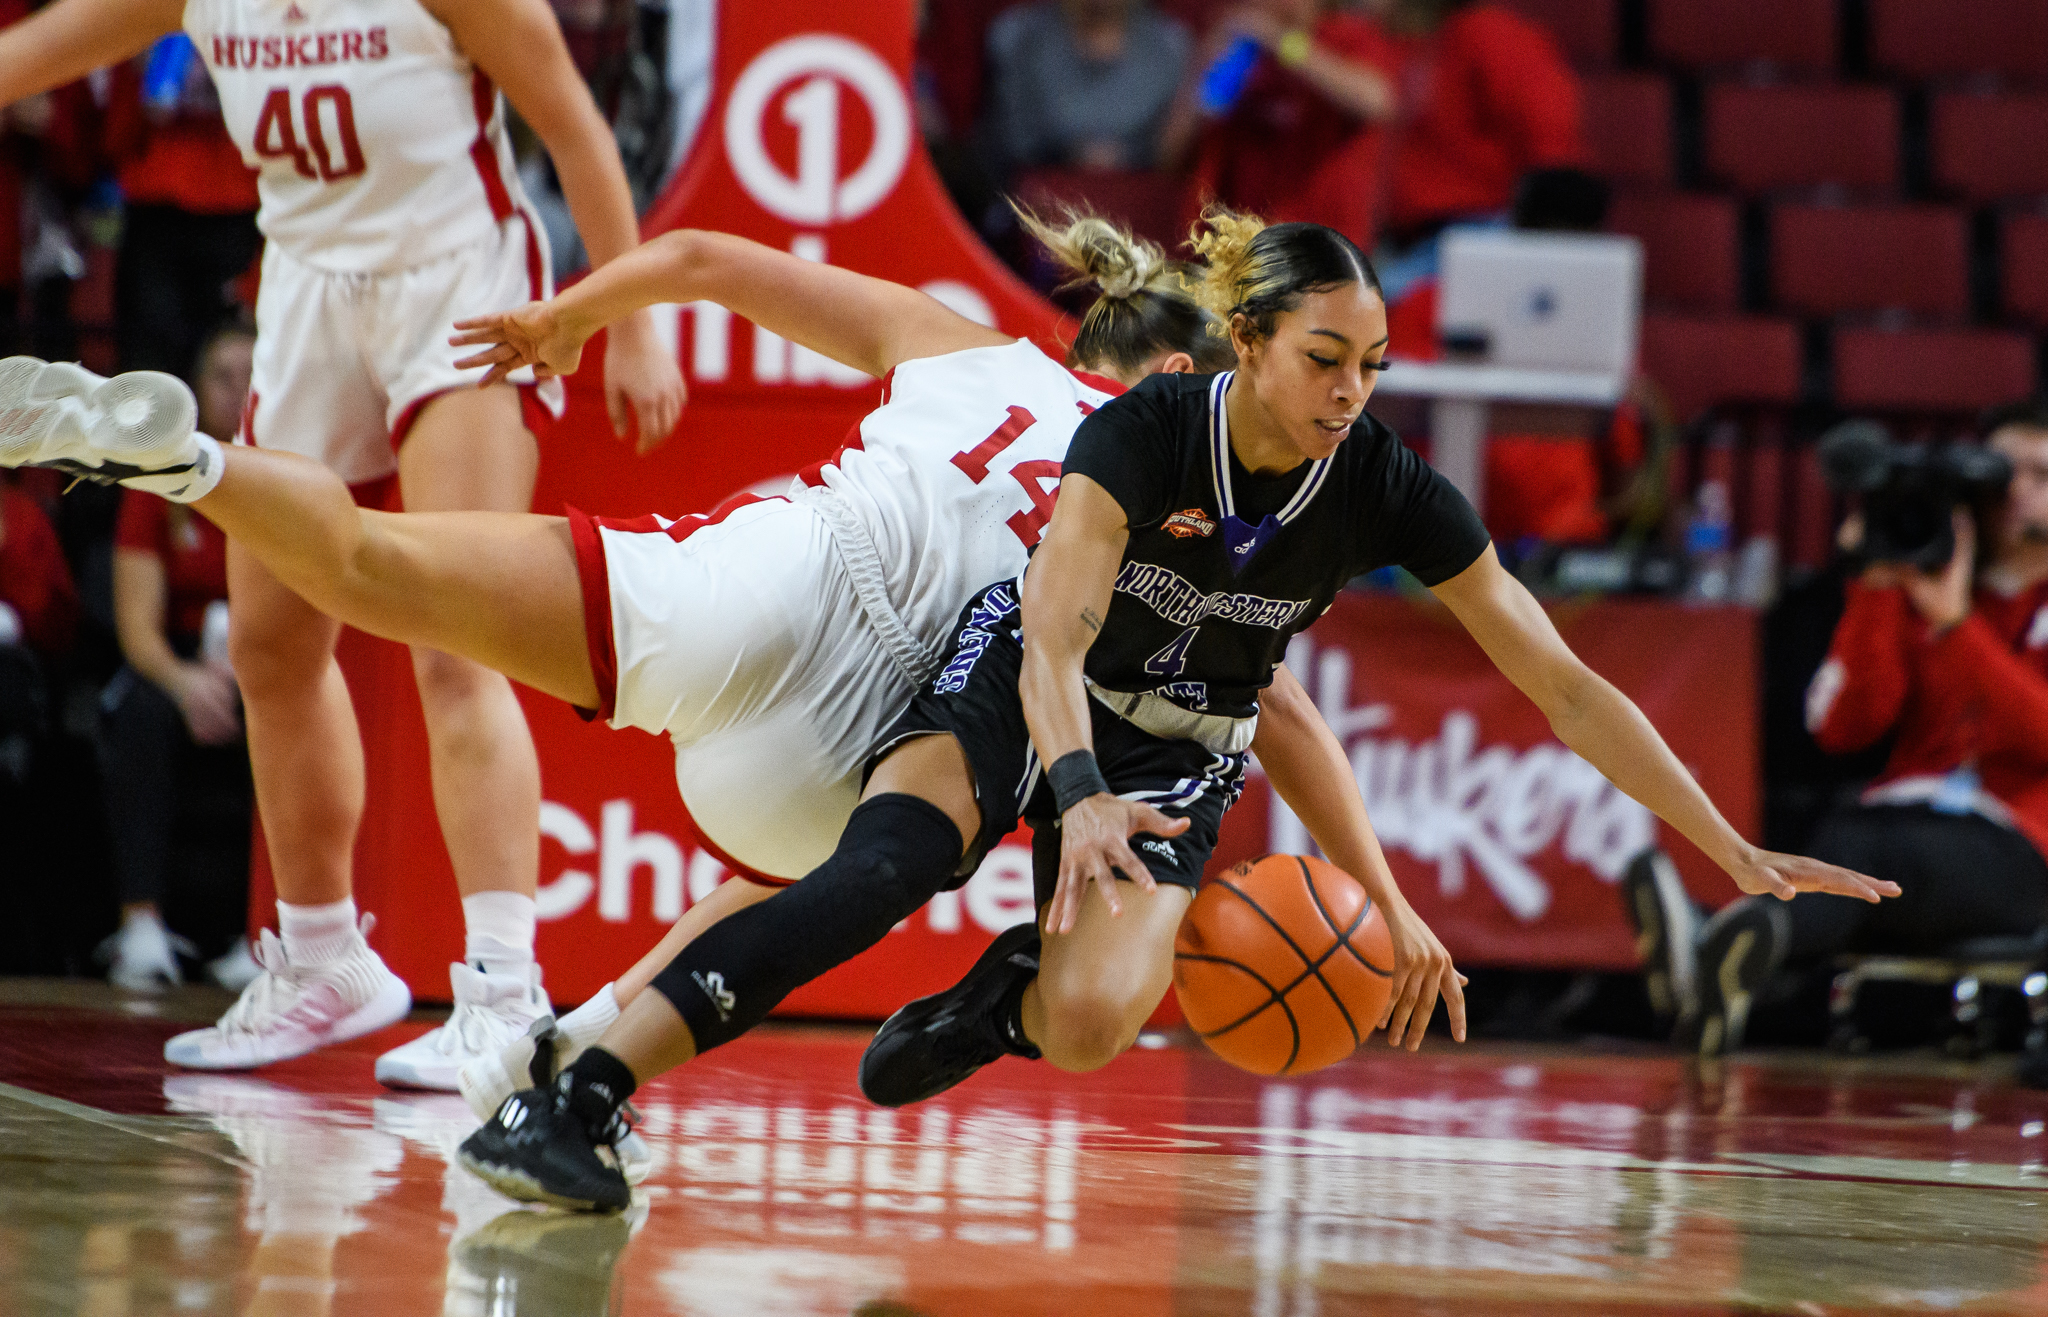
(1507, 843)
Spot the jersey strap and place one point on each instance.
(1239, 536)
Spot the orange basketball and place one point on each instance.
(1283, 965)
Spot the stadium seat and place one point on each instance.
(1835, 260)
(1791, 34)
(1587, 31)
(1990, 148)
(1932, 370)
(1699, 361)
(1628, 126)
(1958, 38)
(2023, 268)
(1692, 248)
(1761, 139)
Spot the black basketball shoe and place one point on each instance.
(1743, 945)
(537, 1149)
(937, 1041)
(1667, 930)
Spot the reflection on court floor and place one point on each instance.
(1471, 1181)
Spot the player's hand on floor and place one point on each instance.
(1095, 843)
(1422, 972)
(532, 335)
(643, 386)
(1771, 873)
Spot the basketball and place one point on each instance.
(1283, 965)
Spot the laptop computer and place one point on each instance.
(1553, 301)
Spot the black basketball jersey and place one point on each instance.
(1224, 567)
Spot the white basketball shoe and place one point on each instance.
(533, 1060)
(490, 1011)
(135, 428)
(291, 1010)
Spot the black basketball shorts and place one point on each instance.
(974, 697)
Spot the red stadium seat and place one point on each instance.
(1628, 126)
(2023, 268)
(1990, 148)
(1832, 260)
(1692, 247)
(1761, 139)
(1699, 361)
(1932, 370)
(1957, 38)
(1792, 34)
(1587, 31)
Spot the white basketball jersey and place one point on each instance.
(955, 474)
(381, 146)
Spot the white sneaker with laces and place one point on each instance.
(290, 1010)
(532, 1060)
(490, 1011)
(144, 955)
(135, 425)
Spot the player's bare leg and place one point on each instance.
(469, 450)
(1100, 982)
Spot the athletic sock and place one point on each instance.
(587, 1023)
(1009, 1021)
(499, 928)
(317, 934)
(598, 1084)
(186, 486)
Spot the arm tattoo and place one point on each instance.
(1090, 620)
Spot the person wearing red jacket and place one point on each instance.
(1953, 666)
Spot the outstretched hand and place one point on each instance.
(532, 335)
(1772, 873)
(1095, 845)
(1422, 971)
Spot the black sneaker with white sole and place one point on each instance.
(1741, 947)
(536, 1149)
(1667, 927)
(936, 1042)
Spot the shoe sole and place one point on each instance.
(134, 423)
(521, 1187)
(391, 1004)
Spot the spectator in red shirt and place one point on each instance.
(1300, 139)
(1953, 665)
(172, 719)
(189, 227)
(38, 603)
(1485, 97)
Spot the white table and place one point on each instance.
(1460, 395)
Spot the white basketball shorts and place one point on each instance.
(739, 635)
(344, 362)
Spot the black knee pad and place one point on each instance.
(897, 852)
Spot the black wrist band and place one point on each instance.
(1074, 777)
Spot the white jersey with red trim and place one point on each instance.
(949, 483)
(380, 145)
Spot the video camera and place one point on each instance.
(1910, 491)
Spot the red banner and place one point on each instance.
(1505, 841)
(809, 144)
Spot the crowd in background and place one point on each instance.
(127, 240)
